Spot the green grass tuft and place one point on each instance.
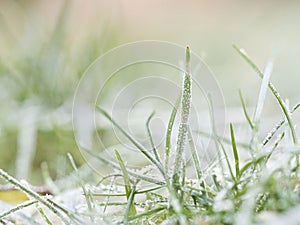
(241, 187)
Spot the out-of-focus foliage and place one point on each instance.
(42, 59)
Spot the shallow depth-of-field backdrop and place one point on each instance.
(45, 46)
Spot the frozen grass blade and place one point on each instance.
(223, 139)
(44, 216)
(277, 127)
(137, 192)
(111, 185)
(128, 190)
(17, 208)
(263, 92)
(245, 110)
(151, 138)
(195, 155)
(235, 153)
(252, 163)
(255, 141)
(130, 205)
(133, 141)
(116, 166)
(216, 138)
(274, 91)
(277, 142)
(218, 142)
(47, 202)
(185, 113)
(227, 161)
(148, 213)
(168, 137)
(85, 192)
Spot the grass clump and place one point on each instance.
(245, 189)
(260, 189)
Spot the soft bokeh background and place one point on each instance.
(45, 46)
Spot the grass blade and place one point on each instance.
(128, 190)
(17, 208)
(44, 216)
(195, 155)
(245, 110)
(46, 202)
(130, 206)
(277, 142)
(223, 139)
(148, 213)
(235, 153)
(185, 113)
(274, 91)
(85, 192)
(133, 141)
(116, 166)
(227, 160)
(168, 136)
(151, 138)
(277, 127)
(263, 92)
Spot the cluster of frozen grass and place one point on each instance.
(262, 189)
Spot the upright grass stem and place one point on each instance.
(154, 150)
(185, 113)
(168, 138)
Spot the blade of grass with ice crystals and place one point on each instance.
(245, 110)
(278, 125)
(223, 139)
(168, 136)
(216, 137)
(277, 142)
(133, 141)
(148, 213)
(185, 113)
(227, 160)
(47, 202)
(263, 92)
(130, 205)
(151, 138)
(17, 208)
(218, 141)
(235, 153)
(255, 140)
(129, 192)
(116, 166)
(137, 192)
(252, 163)
(272, 88)
(44, 216)
(194, 155)
(111, 185)
(85, 192)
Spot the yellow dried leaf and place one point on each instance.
(13, 196)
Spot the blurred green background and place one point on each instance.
(45, 46)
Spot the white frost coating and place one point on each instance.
(291, 217)
(243, 51)
(263, 90)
